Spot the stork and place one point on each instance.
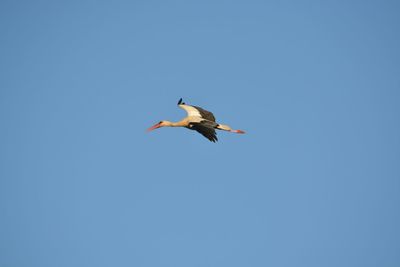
(197, 119)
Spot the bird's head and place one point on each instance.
(159, 125)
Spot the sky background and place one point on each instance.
(314, 182)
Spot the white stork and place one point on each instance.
(197, 119)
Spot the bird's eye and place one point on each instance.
(160, 122)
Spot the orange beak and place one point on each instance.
(156, 126)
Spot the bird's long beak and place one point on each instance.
(158, 125)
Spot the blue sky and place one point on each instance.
(314, 182)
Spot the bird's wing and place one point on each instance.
(191, 111)
(205, 114)
(207, 132)
(194, 111)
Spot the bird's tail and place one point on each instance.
(229, 129)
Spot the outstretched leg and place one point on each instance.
(228, 129)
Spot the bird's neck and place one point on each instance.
(173, 124)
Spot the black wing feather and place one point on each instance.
(205, 114)
(207, 132)
(181, 102)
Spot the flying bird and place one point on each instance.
(199, 120)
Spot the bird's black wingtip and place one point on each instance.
(181, 102)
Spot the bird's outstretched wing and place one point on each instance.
(205, 114)
(207, 132)
(194, 111)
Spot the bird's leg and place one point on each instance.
(229, 129)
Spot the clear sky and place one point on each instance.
(314, 182)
